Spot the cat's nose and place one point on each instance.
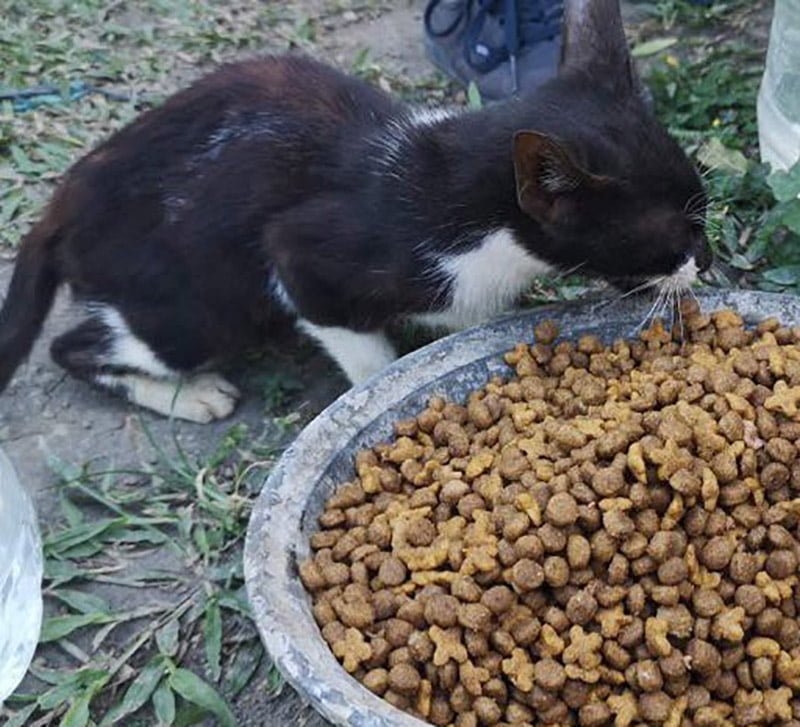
(701, 252)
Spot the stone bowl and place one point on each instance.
(321, 458)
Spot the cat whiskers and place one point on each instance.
(715, 274)
(650, 283)
(690, 290)
(674, 307)
(565, 273)
(652, 312)
(710, 223)
(675, 288)
(694, 203)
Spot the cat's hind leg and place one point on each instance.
(104, 351)
(359, 354)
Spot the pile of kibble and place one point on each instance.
(609, 536)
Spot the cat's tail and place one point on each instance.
(29, 297)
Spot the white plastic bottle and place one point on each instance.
(779, 97)
(20, 580)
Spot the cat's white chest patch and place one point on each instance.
(485, 281)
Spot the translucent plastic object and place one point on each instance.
(20, 580)
(779, 97)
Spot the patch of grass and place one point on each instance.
(143, 50)
(670, 13)
(709, 103)
(37, 146)
(435, 89)
(277, 389)
(191, 646)
(712, 96)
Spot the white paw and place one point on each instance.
(205, 398)
(202, 399)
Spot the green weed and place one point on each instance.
(141, 50)
(193, 647)
(670, 13)
(709, 104)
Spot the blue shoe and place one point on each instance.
(505, 47)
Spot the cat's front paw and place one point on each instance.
(205, 398)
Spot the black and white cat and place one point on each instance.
(281, 189)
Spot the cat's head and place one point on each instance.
(610, 185)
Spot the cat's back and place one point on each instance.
(283, 103)
(194, 180)
(299, 84)
(236, 146)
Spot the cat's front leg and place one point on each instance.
(359, 354)
(332, 275)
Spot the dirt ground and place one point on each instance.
(44, 414)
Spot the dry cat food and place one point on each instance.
(609, 537)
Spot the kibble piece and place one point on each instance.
(718, 551)
(420, 646)
(397, 632)
(527, 575)
(393, 571)
(376, 680)
(762, 672)
(556, 571)
(441, 610)
(475, 616)
(529, 546)
(546, 332)
(498, 599)
(552, 538)
(465, 589)
(549, 674)
(673, 571)
(673, 667)
(452, 491)
(655, 707)
(608, 481)
(502, 641)
(440, 714)
(774, 476)
(352, 649)
(562, 510)
(648, 676)
(404, 679)
(579, 551)
(781, 564)
(666, 544)
(413, 612)
(743, 567)
(312, 576)
(705, 659)
(487, 711)
(581, 608)
(354, 611)
(595, 715)
(751, 599)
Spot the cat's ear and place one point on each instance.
(594, 42)
(545, 170)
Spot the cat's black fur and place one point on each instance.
(283, 169)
